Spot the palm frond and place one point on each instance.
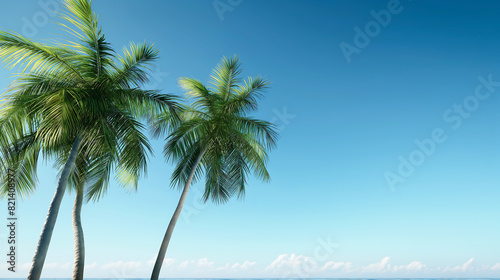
(203, 99)
(262, 131)
(135, 65)
(246, 96)
(216, 184)
(133, 150)
(234, 145)
(16, 50)
(19, 160)
(225, 77)
(147, 103)
(188, 134)
(165, 123)
(96, 52)
(237, 173)
(185, 165)
(82, 90)
(99, 175)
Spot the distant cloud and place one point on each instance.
(381, 266)
(461, 268)
(336, 266)
(496, 267)
(303, 266)
(292, 266)
(246, 266)
(204, 263)
(413, 266)
(91, 266)
(285, 265)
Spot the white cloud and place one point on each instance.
(411, 267)
(204, 263)
(496, 267)
(284, 266)
(346, 266)
(122, 269)
(292, 266)
(203, 267)
(381, 266)
(184, 264)
(461, 268)
(227, 267)
(244, 266)
(91, 266)
(302, 266)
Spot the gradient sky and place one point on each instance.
(347, 124)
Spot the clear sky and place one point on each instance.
(388, 164)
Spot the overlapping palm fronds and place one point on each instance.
(217, 139)
(80, 103)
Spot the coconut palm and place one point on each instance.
(217, 138)
(81, 104)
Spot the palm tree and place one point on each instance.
(82, 104)
(218, 139)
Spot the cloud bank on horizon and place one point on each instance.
(284, 266)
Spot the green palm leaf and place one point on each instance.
(81, 104)
(216, 139)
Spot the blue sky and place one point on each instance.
(347, 123)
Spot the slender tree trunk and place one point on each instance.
(79, 264)
(173, 221)
(44, 241)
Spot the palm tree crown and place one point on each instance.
(80, 103)
(81, 89)
(216, 126)
(217, 138)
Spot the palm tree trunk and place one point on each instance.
(173, 221)
(44, 241)
(79, 264)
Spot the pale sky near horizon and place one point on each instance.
(388, 163)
